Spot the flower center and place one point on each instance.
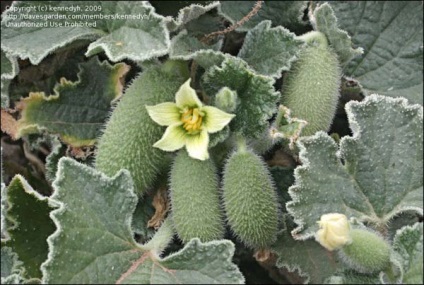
(192, 119)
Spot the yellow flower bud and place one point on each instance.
(334, 231)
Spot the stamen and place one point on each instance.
(192, 119)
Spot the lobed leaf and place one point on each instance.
(197, 262)
(190, 13)
(269, 51)
(185, 46)
(281, 13)
(77, 110)
(94, 242)
(256, 94)
(408, 243)
(391, 33)
(52, 160)
(325, 21)
(308, 257)
(10, 266)
(380, 174)
(119, 36)
(9, 69)
(28, 225)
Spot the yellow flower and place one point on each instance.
(334, 231)
(189, 122)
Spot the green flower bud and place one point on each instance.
(226, 100)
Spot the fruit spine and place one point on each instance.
(195, 204)
(129, 135)
(311, 87)
(250, 200)
(367, 253)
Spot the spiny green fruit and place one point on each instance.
(367, 253)
(250, 200)
(196, 210)
(127, 141)
(311, 88)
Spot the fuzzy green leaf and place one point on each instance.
(93, 242)
(325, 21)
(196, 263)
(408, 242)
(391, 33)
(185, 46)
(52, 160)
(256, 94)
(308, 257)
(382, 173)
(118, 34)
(281, 13)
(11, 269)
(28, 225)
(9, 69)
(79, 109)
(190, 13)
(9, 66)
(269, 51)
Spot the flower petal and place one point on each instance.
(187, 97)
(173, 138)
(165, 114)
(215, 119)
(197, 145)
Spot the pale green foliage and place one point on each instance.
(127, 141)
(196, 210)
(408, 243)
(382, 159)
(285, 13)
(325, 22)
(9, 69)
(190, 13)
(269, 51)
(250, 200)
(57, 151)
(392, 63)
(253, 111)
(91, 236)
(10, 266)
(115, 38)
(308, 257)
(27, 216)
(202, 263)
(277, 74)
(311, 89)
(94, 243)
(84, 105)
(184, 46)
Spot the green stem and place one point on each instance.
(241, 143)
